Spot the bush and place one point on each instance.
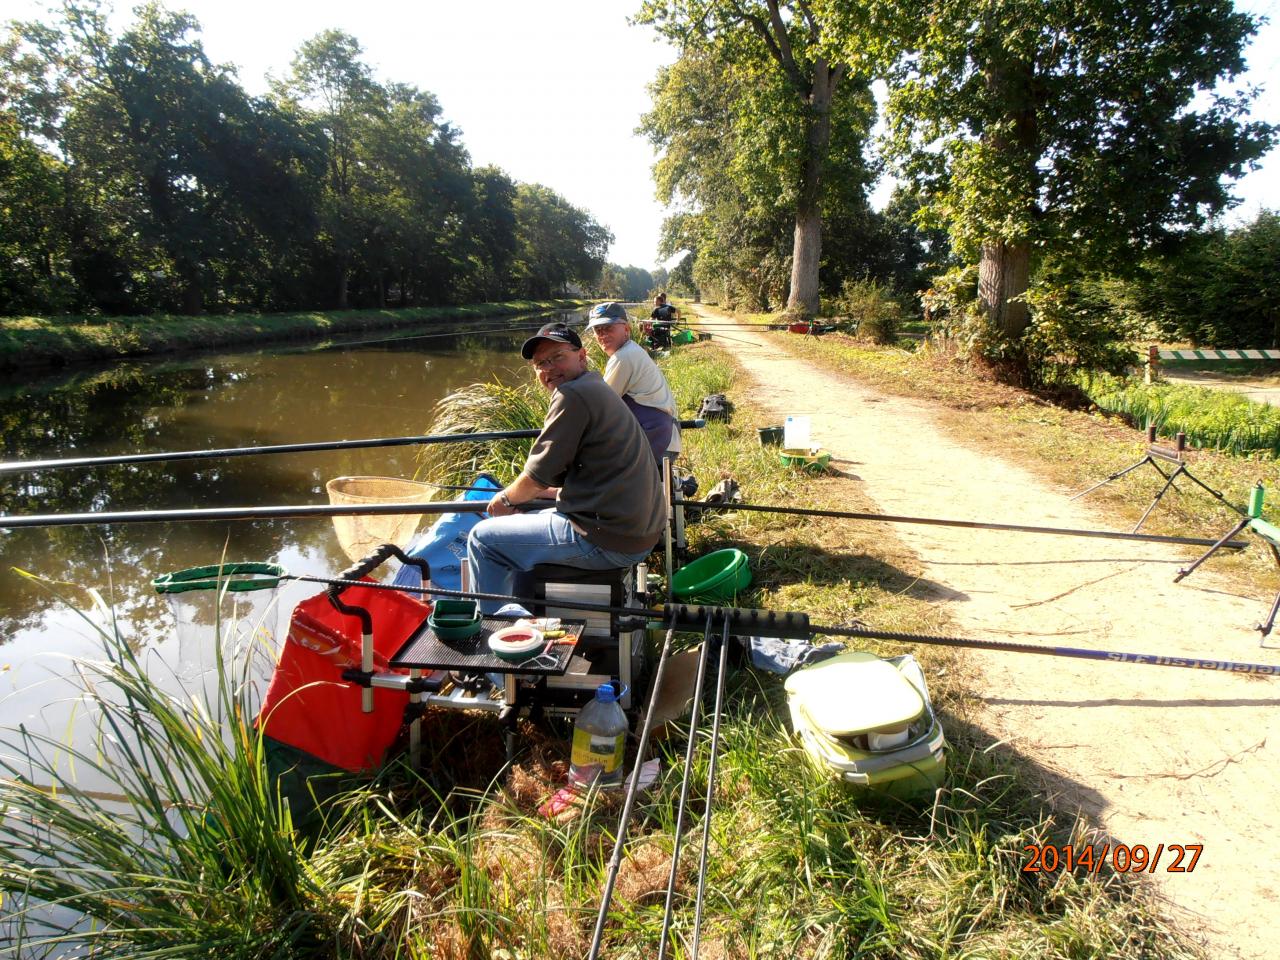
(874, 312)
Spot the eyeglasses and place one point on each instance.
(547, 363)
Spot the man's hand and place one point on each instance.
(521, 490)
(500, 505)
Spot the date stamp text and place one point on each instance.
(1122, 858)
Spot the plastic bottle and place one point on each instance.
(599, 739)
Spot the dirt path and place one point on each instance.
(1258, 389)
(1155, 756)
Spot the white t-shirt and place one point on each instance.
(630, 372)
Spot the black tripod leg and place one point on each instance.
(1163, 490)
(1196, 480)
(1114, 476)
(1214, 549)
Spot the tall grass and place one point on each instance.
(188, 854)
(1211, 419)
(482, 408)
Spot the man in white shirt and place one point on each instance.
(636, 379)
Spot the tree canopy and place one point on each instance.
(785, 102)
(1090, 129)
(136, 175)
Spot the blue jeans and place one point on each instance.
(501, 547)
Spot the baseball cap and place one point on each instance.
(606, 313)
(555, 332)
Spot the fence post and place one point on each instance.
(1153, 365)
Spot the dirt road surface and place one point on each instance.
(1152, 756)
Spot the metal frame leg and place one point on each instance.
(1187, 571)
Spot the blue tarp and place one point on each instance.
(444, 544)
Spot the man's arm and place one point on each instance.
(521, 490)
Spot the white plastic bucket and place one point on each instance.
(795, 433)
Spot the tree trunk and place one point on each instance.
(1003, 273)
(806, 249)
(806, 255)
(342, 283)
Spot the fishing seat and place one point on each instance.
(610, 646)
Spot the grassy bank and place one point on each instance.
(56, 341)
(456, 863)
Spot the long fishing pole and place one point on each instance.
(747, 622)
(254, 513)
(14, 466)
(965, 524)
(633, 788)
(508, 328)
(678, 834)
(711, 792)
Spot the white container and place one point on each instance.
(599, 740)
(795, 433)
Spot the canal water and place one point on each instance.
(327, 392)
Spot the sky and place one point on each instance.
(550, 91)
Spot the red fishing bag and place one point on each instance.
(311, 708)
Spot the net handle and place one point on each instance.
(218, 577)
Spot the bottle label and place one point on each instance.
(593, 749)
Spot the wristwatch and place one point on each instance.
(506, 501)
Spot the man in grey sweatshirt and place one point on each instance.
(593, 457)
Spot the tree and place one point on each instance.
(1216, 289)
(780, 42)
(1085, 127)
(556, 242)
(167, 161)
(731, 138)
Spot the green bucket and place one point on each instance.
(683, 336)
(770, 436)
(714, 578)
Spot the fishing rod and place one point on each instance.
(678, 834)
(751, 622)
(508, 328)
(15, 466)
(256, 513)
(633, 788)
(700, 899)
(966, 524)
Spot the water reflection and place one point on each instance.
(267, 397)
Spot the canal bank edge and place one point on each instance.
(46, 342)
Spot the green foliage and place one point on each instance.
(483, 408)
(1216, 290)
(757, 130)
(137, 177)
(193, 856)
(1082, 130)
(1074, 326)
(1211, 419)
(874, 312)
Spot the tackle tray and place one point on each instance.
(424, 650)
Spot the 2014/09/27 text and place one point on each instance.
(1092, 857)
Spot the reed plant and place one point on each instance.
(482, 408)
(188, 853)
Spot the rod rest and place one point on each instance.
(362, 568)
(742, 621)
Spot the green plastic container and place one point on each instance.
(455, 619)
(683, 336)
(714, 578)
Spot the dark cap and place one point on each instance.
(556, 333)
